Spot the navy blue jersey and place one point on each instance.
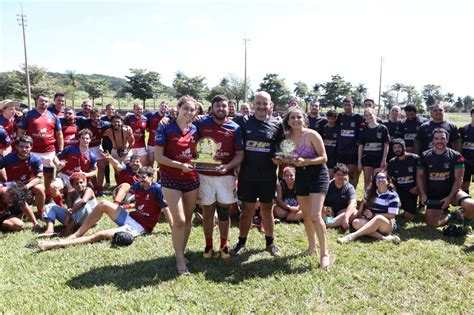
(373, 140)
(260, 140)
(467, 141)
(316, 123)
(329, 135)
(408, 129)
(424, 136)
(403, 172)
(349, 127)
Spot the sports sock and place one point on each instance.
(269, 240)
(223, 242)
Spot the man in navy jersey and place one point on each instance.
(392, 124)
(149, 203)
(25, 168)
(217, 188)
(86, 110)
(125, 177)
(13, 205)
(58, 107)
(423, 138)
(409, 127)
(329, 133)
(45, 130)
(257, 178)
(315, 120)
(346, 151)
(467, 147)
(439, 178)
(138, 123)
(402, 170)
(8, 119)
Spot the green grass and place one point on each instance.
(427, 272)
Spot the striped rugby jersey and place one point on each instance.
(387, 202)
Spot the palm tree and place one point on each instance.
(449, 98)
(411, 93)
(74, 83)
(397, 87)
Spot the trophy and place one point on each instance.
(206, 150)
(286, 151)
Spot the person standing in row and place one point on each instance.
(138, 123)
(467, 138)
(315, 120)
(329, 133)
(409, 127)
(153, 119)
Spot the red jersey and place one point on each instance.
(148, 204)
(58, 113)
(22, 171)
(152, 123)
(138, 126)
(178, 146)
(69, 133)
(10, 126)
(77, 161)
(228, 137)
(127, 175)
(42, 128)
(97, 131)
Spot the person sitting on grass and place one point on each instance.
(81, 201)
(13, 206)
(149, 202)
(376, 215)
(125, 177)
(287, 207)
(341, 200)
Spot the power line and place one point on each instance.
(22, 20)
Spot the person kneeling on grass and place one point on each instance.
(13, 206)
(340, 203)
(287, 207)
(149, 202)
(376, 216)
(81, 201)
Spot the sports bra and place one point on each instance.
(305, 151)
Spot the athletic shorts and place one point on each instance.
(150, 149)
(346, 158)
(250, 191)
(47, 160)
(409, 201)
(177, 184)
(64, 181)
(128, 224)
(125, 158)
(98, 153)
(468, 172)
(140, 151)
(311, 179)
(217, 188)
(371, 161)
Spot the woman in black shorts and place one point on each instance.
(312, 181)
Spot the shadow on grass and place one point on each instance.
(423, 232)
(152, 272)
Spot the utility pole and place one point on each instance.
(22, 19)
(380, 84)
(245, 70)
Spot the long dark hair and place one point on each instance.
(372, 190)
(19, 195)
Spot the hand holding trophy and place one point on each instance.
(286, 153)
(206, 149)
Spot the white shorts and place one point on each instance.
(150, 149)
(46, 158)
(98, 152)
(129, 224)
(140, 151)
(125, 159)
(217, 188)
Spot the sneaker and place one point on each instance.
(273, 250)
(225, 253)
(238, 250)
(457, 215)
(208, 252)
(392, 238)
(345, 239)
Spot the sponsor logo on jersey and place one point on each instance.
(269, 135)
(468, 145)
(439, 176)
(410, 169)
(373, 146)
(257, 146)
(409, 136)
(347, 133)
(405, 180)
(329, 143)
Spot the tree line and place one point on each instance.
(144, 85)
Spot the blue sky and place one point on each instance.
(422, 41)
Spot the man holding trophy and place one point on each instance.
(219, 151)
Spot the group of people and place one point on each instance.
(405, 163)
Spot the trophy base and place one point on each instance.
(206, 167)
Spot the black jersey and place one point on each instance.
(288, 195)
(349, 127)
(424, 136)
(392, 127)
(408, 129)
(403, 172)
(467, 140)
(339, 198)
(316, 123)
(373, 140)
(439, 171)
(260, 140)
(329, 135)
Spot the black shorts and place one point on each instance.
(409, 201)
(249, 191)
(346, 158)
(5, 217)
(311, 179)
(468, 172)
(371, 161)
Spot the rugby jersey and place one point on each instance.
(387, 202)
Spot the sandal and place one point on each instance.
(183, 272)
(327, 261)
(307, 253)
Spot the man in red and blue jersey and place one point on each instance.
(25, 168)
(149, 202)
(217, 189)
(153, 119)
(98, 128)
(86, 110)
(45, 129)
(58, 107)
(69, 127)
(138, 123)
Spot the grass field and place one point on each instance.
(426, 273)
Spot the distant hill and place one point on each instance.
(115, 83)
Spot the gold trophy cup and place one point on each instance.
(206, 149)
